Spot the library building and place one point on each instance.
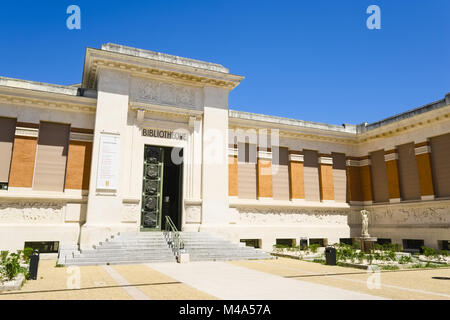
(147, 144)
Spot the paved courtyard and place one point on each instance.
(256, 279)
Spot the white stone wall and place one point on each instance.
(40, 220)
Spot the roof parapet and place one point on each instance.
(112, 47)
(364, 127)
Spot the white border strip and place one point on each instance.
(267, 155)
(27, 132)
(134, 292)
(391, 156)
(325, 160)
(296, 157)
(422, 150)
(358, 163)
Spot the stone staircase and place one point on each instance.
(125, 248)
(203, 246)
(143, 247)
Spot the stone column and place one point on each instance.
(422, 151)
(391, 159)
(215, 208)
(192, 203)
(195, 177)
(104, 208)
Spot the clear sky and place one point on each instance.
(313, 60)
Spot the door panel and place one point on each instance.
(152, 188)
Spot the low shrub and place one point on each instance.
(444, 253)
(26, 254)
(356, 245)
(344, 252)
(313, 248)
(280, 246)
(360, 256)
(389, 267)
(428, 252)
(391, 255)
(319, 261)
(10, 264)
(389, 247)
(405, 259)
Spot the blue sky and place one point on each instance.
(312, 60)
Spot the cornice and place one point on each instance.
(48, 100)
(390, 130)
(145, 67)
(162, 110)
(402, 126)
(317, 136)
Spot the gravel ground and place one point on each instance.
(96, 283)
(414, 284)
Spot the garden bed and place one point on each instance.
(301, 253)
(386, 257)
(14, 284)
(14, 269)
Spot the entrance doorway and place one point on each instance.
(162, 187)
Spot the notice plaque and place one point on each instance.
(108, 162)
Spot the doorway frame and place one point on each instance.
(182, 185)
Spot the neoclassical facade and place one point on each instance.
(148, 135)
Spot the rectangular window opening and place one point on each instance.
(43, 246)
(255, 243)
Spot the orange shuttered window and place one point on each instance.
(296, 177)
(79, 165)
(232, 176)
(22, 164)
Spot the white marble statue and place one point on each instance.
(365, 224)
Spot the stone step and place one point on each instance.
(133, 243)
(208, 242)
(120, 258)
(234, 250)
(234, 254)
(94, 263)
(223, 259)
(128, 248)
(123, 252)
(141, 238)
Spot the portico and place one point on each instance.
(138, 95)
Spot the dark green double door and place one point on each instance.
(162, 188)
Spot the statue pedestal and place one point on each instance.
(367, 243)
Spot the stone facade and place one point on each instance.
(304, 195)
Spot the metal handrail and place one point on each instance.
(173, 237)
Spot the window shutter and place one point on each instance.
(51, 157)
